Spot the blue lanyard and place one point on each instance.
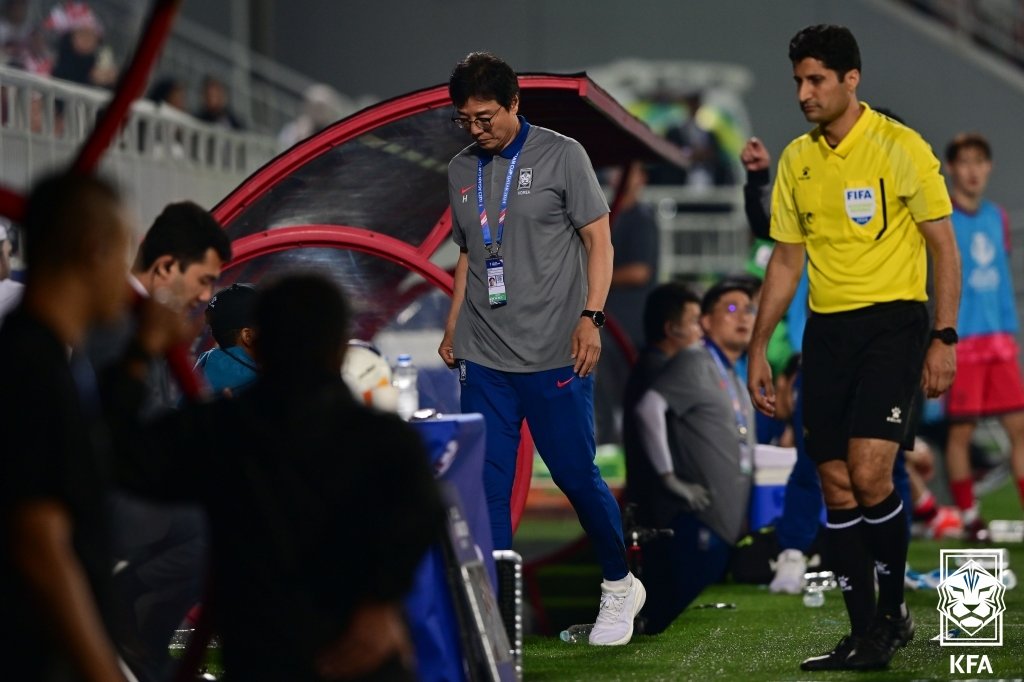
(734, 397)
(504, 204)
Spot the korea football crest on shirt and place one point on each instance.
(860, 204)
(525, 181)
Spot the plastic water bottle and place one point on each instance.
(403, 378)
(577, 634)
(814, 596)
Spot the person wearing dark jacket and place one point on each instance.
(55, 468)
(320, 509)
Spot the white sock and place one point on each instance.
(620, 586)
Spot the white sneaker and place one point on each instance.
(614, 625)
(789, 572)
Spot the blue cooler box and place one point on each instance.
(772, 466)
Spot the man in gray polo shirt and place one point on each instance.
(531, 281)
(696, 426)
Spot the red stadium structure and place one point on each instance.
(366, 199)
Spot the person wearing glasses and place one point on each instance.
(695, 427)
(861, 196)
(527, 210)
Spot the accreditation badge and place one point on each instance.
(496, 295)
(746, 459)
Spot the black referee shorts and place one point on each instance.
(862, 375)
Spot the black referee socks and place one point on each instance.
(847, 555)
(887, 537)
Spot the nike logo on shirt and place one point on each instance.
(466, 189)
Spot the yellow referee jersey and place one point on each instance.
(856, 209)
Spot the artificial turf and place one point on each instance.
(766, 636)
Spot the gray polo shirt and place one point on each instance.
(554, 192)
(703, 436)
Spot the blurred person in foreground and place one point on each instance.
(55, 468)
(861, 197)
(320, 508)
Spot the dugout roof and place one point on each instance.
(367, 198)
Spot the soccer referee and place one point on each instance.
(861, 196)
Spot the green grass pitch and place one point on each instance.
(767, 635)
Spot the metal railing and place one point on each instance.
(703, 231)
(161, 154)
(265, 93)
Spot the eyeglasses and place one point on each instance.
(485, 122)
(733, 309)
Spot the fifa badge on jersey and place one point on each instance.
(860, 204)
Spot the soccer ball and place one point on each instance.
(365, 370)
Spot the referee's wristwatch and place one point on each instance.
(596, 316)
(946, 335)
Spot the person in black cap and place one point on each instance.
(230, 367)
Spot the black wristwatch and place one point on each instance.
(596, 316)
(947, 336)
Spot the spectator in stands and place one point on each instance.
(170, 91)
(320, 508)
(216, 105)
(322, 105)
(231, 366)
(696, 427)
(988, 379)
(15, 29)
(38, 56)
(162, 549)
(54, 553)
(81, 55)
(169, 97)
(10, 291)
